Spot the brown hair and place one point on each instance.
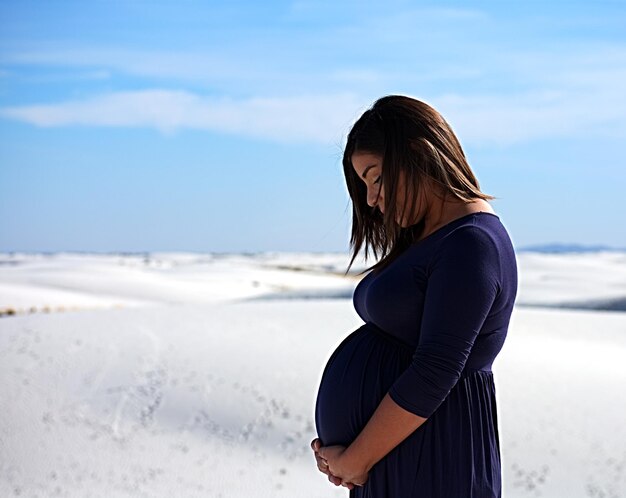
(414, 138)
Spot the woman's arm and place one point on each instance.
(389, 426)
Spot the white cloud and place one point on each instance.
(321, 119)
(478, 120)
(525, 117)
(556, 93)
(164, 64)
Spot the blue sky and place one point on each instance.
(218, 126)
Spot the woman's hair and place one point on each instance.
(411, 137)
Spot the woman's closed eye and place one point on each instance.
(377, 180)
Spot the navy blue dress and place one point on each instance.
(435, 319)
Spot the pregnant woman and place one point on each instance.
(406, 406)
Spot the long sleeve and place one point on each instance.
(463, 283)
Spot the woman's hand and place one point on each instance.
(335, 460)
(322, 466)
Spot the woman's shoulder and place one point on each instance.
(480, 241)
(477, 229)
(476, 224)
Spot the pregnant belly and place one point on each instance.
(356, 378)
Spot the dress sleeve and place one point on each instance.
(462, 286)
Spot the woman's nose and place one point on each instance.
(372, 196)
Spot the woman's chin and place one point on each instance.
(403, 223)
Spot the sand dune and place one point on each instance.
(203, 382)
(574, 281)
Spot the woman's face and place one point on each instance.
(369, 168)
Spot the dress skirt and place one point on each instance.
(454, 454)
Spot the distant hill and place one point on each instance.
(560, 248)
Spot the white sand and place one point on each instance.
(184, 382)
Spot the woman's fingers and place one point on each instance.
(322, 464)
(335, 480)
